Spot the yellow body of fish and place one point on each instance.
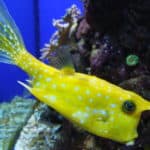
(95, 105)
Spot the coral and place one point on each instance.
(45, 129)
(39, 133)
(65, 28)
(26, 124)
(13, 116)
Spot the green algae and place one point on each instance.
(132, 60)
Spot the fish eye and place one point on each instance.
(128, 106)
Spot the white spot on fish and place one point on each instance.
(30, 61)
(93, 80)
(99, 94)
(87, 108)
(113, 105)
(35, 64)
(86, 115)
(37, 84)
(45, 70)
(80, 97)
(54, 86)
(131, 143)
(91, 100)
(87, 92)
(63, 85)
(25, 66)
(53, 98)
(99, 119)
(48, 79)
(107, 97)
(102, 115)
(109, 90)
(46, 97)
(128, 96)
(120, 98)
(81, 121)
(105, 131)
(76, 88)
(103, 112)
(80, 116)
(50, 97)
(10, 37)
(112, 112)
(35, 71)
(40, 76)
(112, 119)
(77, 114)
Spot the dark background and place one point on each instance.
(34, 19)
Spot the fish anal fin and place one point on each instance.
(25, 85)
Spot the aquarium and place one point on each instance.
(74, 75)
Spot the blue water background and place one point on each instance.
(34, 19)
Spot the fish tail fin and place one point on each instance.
(11, 43)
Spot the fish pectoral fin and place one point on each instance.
(61, 59)
(25, 85)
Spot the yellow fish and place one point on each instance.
(94, 104)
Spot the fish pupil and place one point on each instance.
(128, 106)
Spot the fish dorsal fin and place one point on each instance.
(68, 70)
(61, 59)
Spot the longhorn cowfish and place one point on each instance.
(93, 104)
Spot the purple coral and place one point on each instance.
(124, 29)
